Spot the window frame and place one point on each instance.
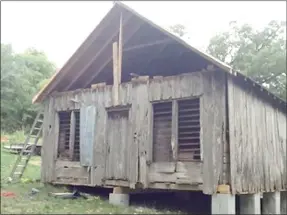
(174, 128)
(72, 135)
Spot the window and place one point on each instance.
(69, 140)
(188, 130)
(162, 118)
(187, 116)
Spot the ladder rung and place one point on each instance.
(23, 159)
(34, 136)
(27, 151)
(17, 173)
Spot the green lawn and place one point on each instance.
(43, 203)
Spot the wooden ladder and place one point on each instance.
(25, 154)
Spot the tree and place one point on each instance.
(21, 75)
(178, 29)
(259, 54)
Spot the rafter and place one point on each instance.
(96, 56)
(158, 42)
(126, 38)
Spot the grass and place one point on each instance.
(42, 203)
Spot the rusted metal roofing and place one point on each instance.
(96, 51)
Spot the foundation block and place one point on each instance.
(223, 204)
(250, 204)
(283, 202)
(119, 197)
(271, 203)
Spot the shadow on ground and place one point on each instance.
(189, 202)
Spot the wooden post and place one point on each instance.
(72, 135)
(120, 50)
(115, 74)
(174, 130)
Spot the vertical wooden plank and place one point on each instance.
(45, 144)
(232, 134)
(141, 127)
(174, 130)
(120, 49)
(150, 134)
(115, 74)
(87, 134)
(213, 136)
(206, 137)
(100, 146)
(72, 135)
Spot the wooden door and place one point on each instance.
(117, 145)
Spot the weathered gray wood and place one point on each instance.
(115, 74)
(72, 135)
(45, 135)
(141, 125)
(212, 116)
(179, 173)
(163, 167)
(99, 158)
(87, 134)
(174, 130)
(117, 140)
(257, 142)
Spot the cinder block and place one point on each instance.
(271, 203)
(119, 199)
(250, 204)
(284, 202)
(223, 204)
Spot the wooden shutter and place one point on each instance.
(64, 134)
(188, 130)
(87, 134)
(162, 119)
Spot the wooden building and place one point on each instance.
(158, 113)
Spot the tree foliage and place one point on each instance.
(21, 77)
(178, 29)
(259, 54)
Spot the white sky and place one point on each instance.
(58, 28)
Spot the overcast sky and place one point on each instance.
(58, 28)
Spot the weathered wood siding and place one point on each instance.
(87, 134)
(209, 87)
(118, 138)
(258, 150)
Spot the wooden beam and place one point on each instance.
(158, 42)
(115, 75)
(125, 40)
(108, 41)
(120, 50)
(72, 135)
